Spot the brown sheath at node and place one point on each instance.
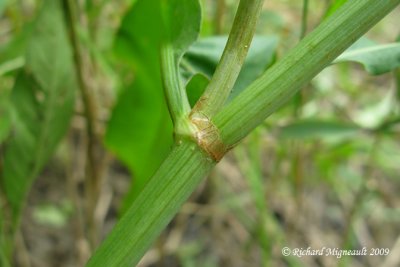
(207, 136)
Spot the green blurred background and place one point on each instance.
(324, 171)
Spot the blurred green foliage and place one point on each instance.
(142, 148)
(42, 101)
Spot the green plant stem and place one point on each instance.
(219, 16)
(250, 164)
(175, 93)
(304, 19)
(93, 179)
(275, 87)
(5, 237)
(396, 74)
(300, 97)
(160, 199)
(299, 100)
(235, 52)
(359, 197)
(86, 97)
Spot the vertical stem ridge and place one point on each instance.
(93, 179)
(175, 93)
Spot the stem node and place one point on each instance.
(207, 136)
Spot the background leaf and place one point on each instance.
(334, 6)
(140, 130)
(42, 99)
(376, 59)
(196, 87)
(204, 55)
(182, 23)
(12, 54)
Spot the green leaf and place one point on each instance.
(42, 100)
(182, 23)
(11, 65)
(5, 112)
(140, 130)
(12, 54)
(376, 59)
(319, 129)
(196, 87)
(205, 54)
(334, 6)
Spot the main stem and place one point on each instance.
(155, 206)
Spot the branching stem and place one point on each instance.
(279, 83)
(175, 92)
(235, 52)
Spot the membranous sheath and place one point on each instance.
(207, 136)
